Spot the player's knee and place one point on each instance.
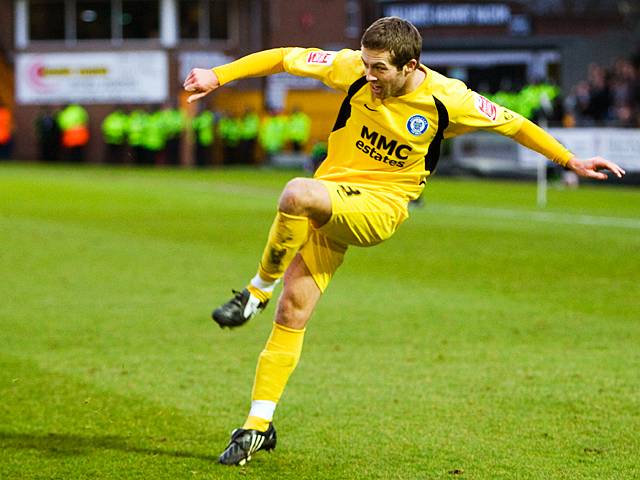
(290, 314)
(296, 197)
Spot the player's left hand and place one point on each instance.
(592, 168)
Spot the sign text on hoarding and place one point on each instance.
(89, 78)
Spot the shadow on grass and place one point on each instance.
(68, 444)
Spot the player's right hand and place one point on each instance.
(200, 81)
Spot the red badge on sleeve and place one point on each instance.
(321, 58)
(487, 108)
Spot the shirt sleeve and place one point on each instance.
(335, 69)
(257, 64)
(469, 111)
(532, 136)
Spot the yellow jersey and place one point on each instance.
(393, 144)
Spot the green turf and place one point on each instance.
(486, 340)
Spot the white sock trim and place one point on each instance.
(262, 409)
(263, 285)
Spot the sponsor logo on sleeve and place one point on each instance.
(487, 108)
(320, 58)
(417, 125)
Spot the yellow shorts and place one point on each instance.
(360, 216)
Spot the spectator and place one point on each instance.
(607, 98)
(624, 84)
(600, 94)
(48, 134)
(578, 104)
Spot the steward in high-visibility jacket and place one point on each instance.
(114, 128)
(249, 129)
(203, 128)
(114, 132)
(6, 132)
(174, 124)
(229, 129)
(299, 127)
(528, 100)
(135, 134)
(273, 134)
(154, 138)
(74, 125)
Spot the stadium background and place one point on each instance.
(488, 339)
(491, 45)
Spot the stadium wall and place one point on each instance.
(330, 24)
(6, 43)
(6, 26)
(245, 36)
(256, 24)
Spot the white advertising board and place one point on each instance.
(92, 77)
(620, 145)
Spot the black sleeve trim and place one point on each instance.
(345, 108)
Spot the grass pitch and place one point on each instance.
(485, 340)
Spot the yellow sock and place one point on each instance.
(256, 423)
(259, 294)
(287, 234)
(275, 364)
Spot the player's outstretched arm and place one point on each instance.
(532, 136)
(201, 82)
(593, 168)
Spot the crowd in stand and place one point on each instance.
(607, 97)
(153, 136)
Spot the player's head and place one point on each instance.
(395, 35)
(390, 52)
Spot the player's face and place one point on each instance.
(385, 79)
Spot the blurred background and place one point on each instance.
(99, 81)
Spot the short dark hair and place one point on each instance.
(395, 35)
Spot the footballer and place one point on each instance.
(384, 146)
